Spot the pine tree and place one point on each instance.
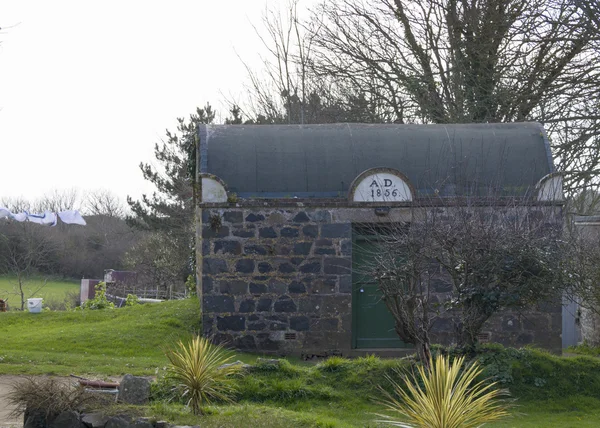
(169, 210)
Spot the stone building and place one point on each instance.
(284, 207)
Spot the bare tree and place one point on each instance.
(403, 270)
(104, 202)
(497, 258)
(497, 254)
(16, 205)
(447, 61)
(287, 89)
(23, 254)
(57, 200)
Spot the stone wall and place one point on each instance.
(279, 280)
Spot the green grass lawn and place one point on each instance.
(550, 391)
(54, 291)
(108, 342)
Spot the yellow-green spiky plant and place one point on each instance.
(198, 369)
(445, 397)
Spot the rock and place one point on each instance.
(134, 390)
(94, 420)
(141, 423)
(236, 363)
(161, 424)
(68, 419)
(117, 422)
(34, 419)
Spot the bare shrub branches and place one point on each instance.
(495, 255)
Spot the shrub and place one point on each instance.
(48, 396)
(197, 368)
(132, 300)
(444, 396)
(99, 301)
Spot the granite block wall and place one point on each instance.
(279, 280)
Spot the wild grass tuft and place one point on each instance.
(49, 396)
(334, 364)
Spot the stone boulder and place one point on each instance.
(134, 390)
(68, 419)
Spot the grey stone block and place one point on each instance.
(267, 232)
(218, 304)
(209, 232)
(233, 286)
(68, 419)
(247, 305)
(325, 251)
(320, 216)
(289, 232)
(345, 284)
(264, 305)
(233, 216)
(336, 230)
(338, 266)
(310, 231)
(287, 268)
(94, 420)
(134, 390)
(277, 287)
(299, 323)
(212, 266)
(284, 304)
(302, 248)
(261, 250)
(301, 217)
(141, 424)
(254, 217)
(245, 342)
(264, 267)
(297, 287)
(312, 266)
(346, 247)
(256, 288)
(233, 323)
(117, 422)
(228, 247)
(244, 233)
(34, 419)
(244, 266)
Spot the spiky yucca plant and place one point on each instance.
(198, 369)
(446, 397)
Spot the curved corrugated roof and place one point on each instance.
(323, 160)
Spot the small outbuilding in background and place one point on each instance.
(284, 209)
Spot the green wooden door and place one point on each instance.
(372, 323)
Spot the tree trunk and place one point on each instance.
(424, 353)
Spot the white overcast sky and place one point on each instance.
(88, 87)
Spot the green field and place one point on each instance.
(53, 292)
(109, 342)
(549, 391)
